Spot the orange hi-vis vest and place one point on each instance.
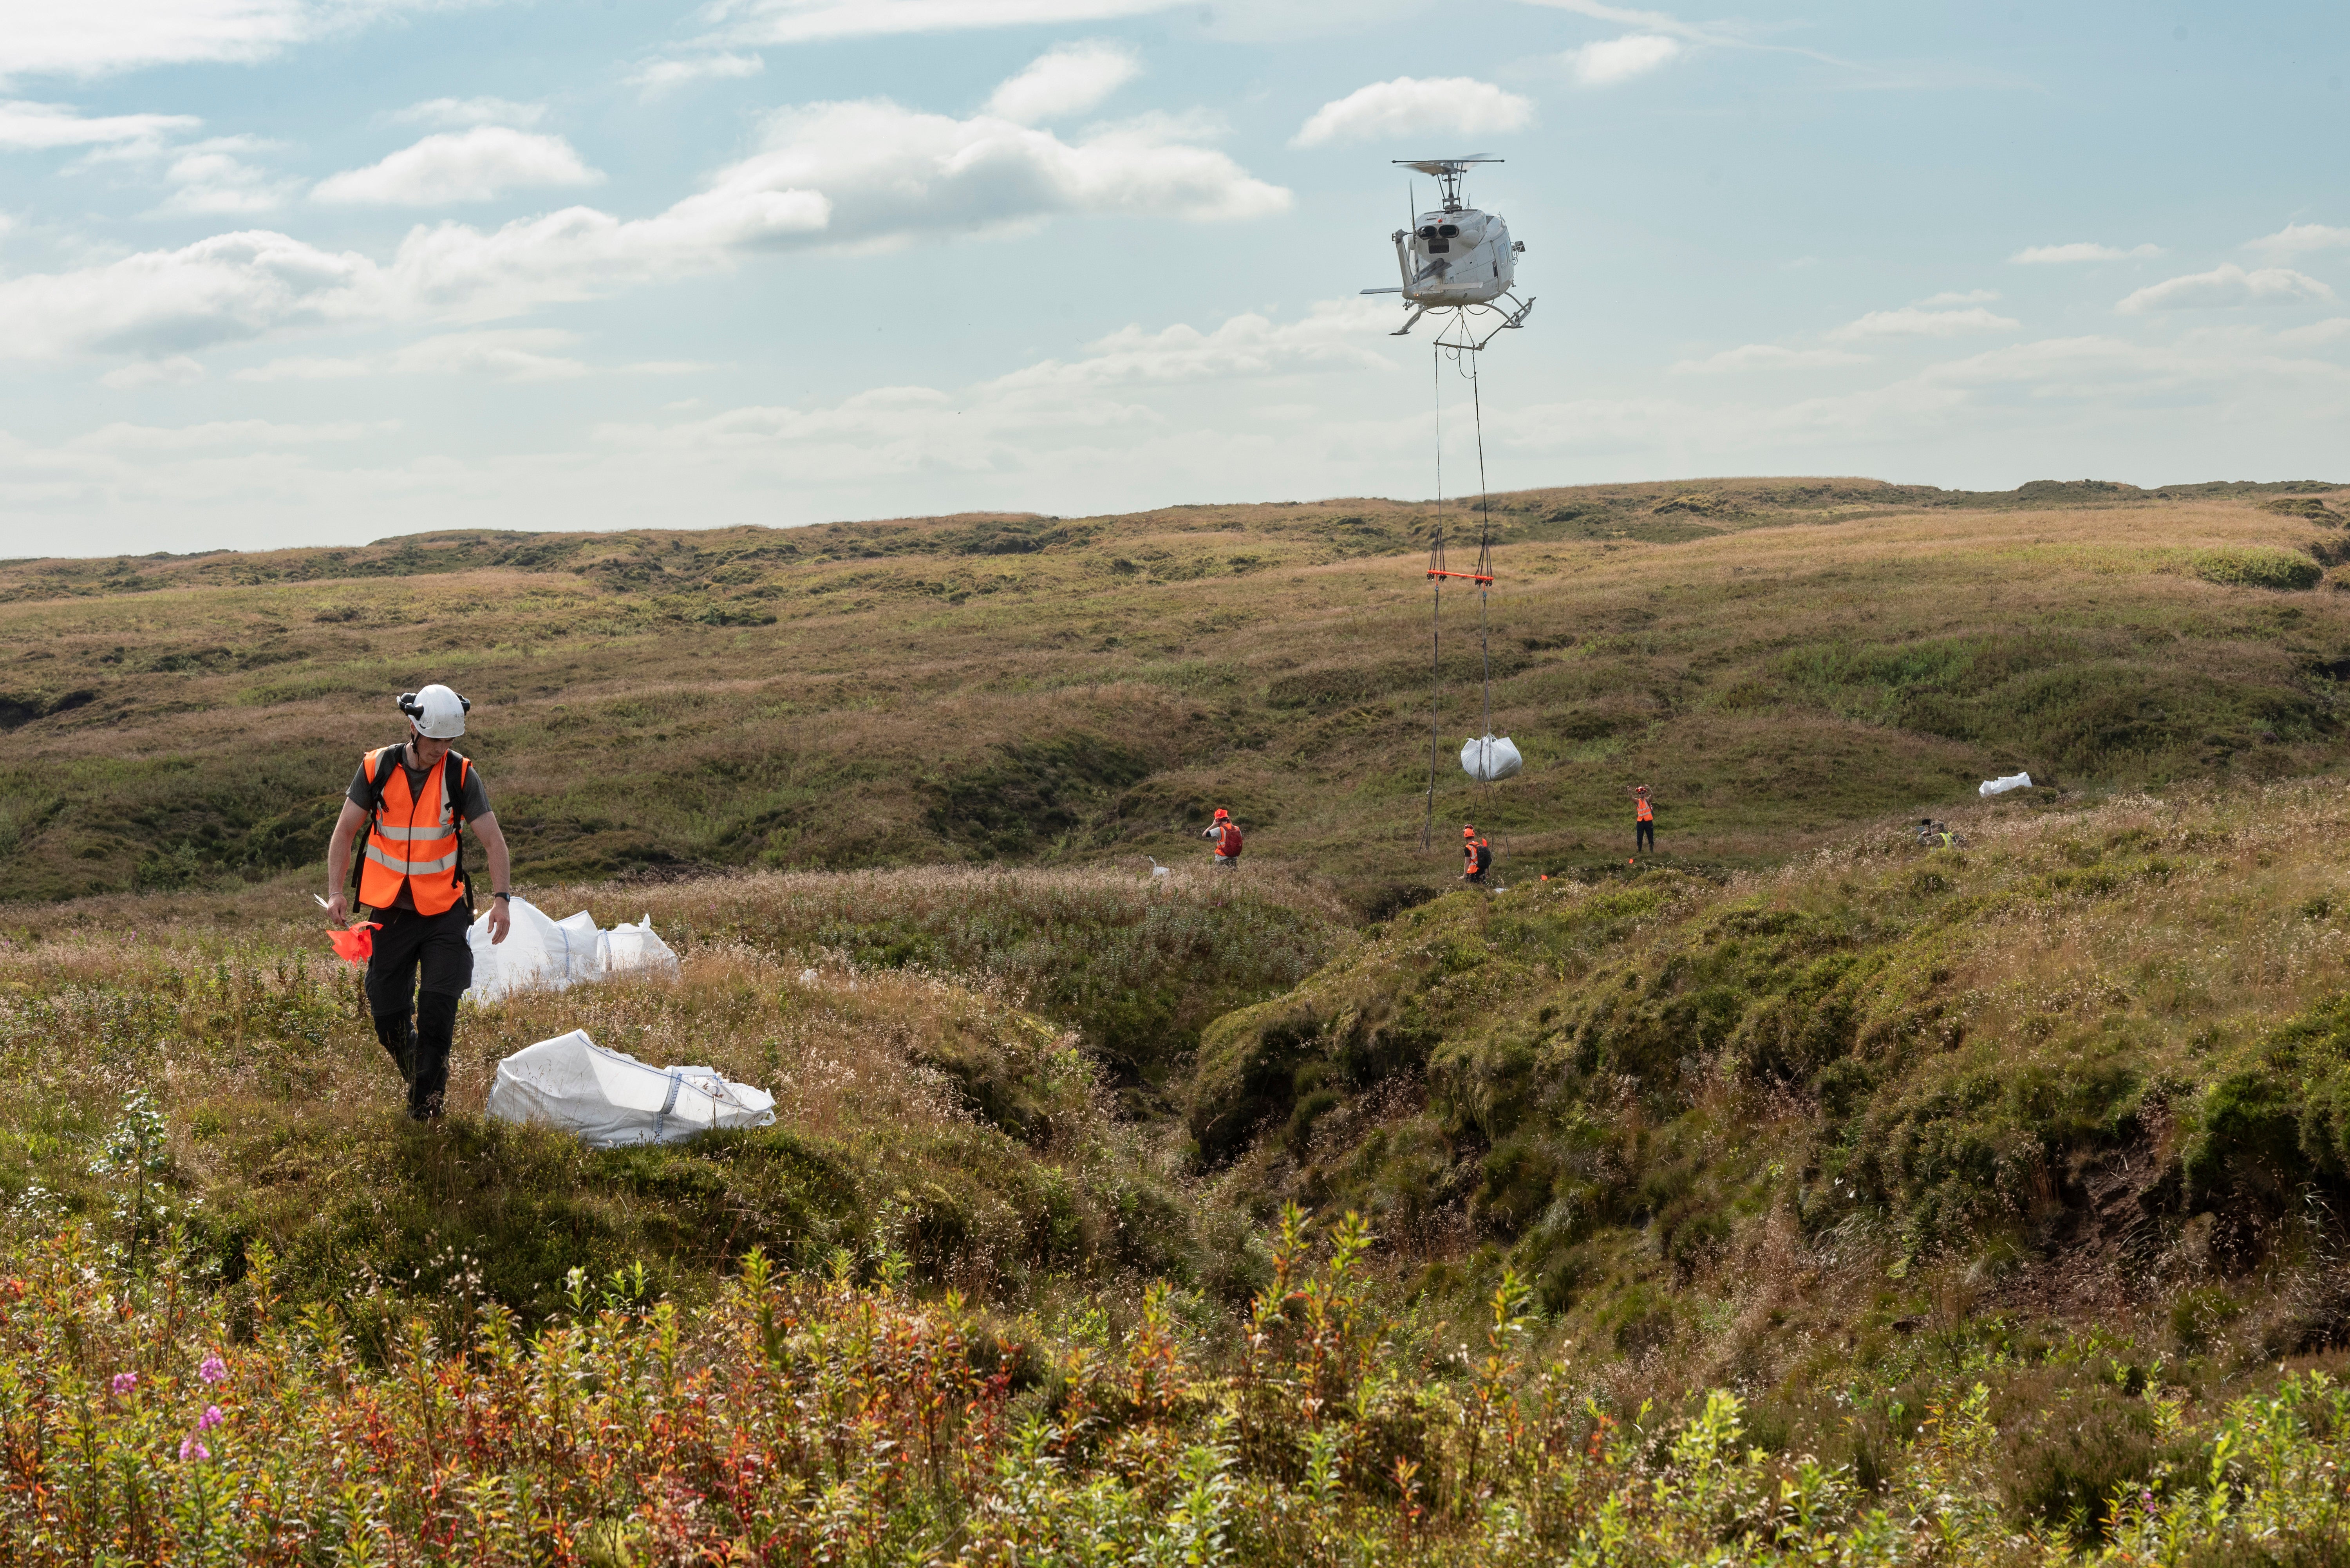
(1647, 812)
(410, 838)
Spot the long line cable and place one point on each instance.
(1436, 602)
(1485, 587)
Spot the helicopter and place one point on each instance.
(1458, 258)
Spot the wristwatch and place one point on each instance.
(502, 895)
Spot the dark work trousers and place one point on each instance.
(422, 954)
(1644, 838)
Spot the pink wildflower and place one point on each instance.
(211, 1417)
(124, 1382)
(193, 1447)
(213, 1370)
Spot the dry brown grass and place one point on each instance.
(1094, 697)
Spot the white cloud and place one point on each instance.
(1971, 297)
(2225, 285)
(1335, 335)
(2047, 394)
(1768, 356)
(476, 165)
(528, 354)
(1614, 60)
(1625, 16)
(226, 289)
(893, 174)
(96, 38)
(2300, 239)
(1915, 321)
(659, 76)
(2080, 251)
(2333, 329)
(1057, 410)
(39, 127)
(1413, 106)
(457, 113)
(127, 438)
(179, 370)
(799, 21)
(1068, 80)
(839, 174)
(209, 178)
(1726, 35)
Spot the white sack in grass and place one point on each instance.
(1490, 759)
(2001, 785)
(610, 1099)
(545, 954)
(637, 947)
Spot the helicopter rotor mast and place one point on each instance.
(1447, 172)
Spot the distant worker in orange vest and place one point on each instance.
(1476, 857)
(414, 801)
(1227, 835)
(1644, 813)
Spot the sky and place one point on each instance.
(311, 272)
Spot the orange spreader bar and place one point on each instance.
(1471, 577)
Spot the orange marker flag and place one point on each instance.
(356, 945)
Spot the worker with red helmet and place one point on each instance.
(1476, 856)
(1227, 835)
(1644, 821)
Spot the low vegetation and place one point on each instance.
(944, 1100)
(2087, 1065)
(1779, 657)
(1805, 1194)
(828, 1417)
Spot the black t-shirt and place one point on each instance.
(475, 801)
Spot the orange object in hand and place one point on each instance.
(356, 945)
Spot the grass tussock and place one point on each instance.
(979, 1130)
(2090, 1061)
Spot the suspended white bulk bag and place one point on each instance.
(539, 953)
(611, 1100)
(2001, 785)
(637, 947)
(1490, 759)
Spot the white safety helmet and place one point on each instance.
(436, 712)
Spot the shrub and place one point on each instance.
(2285, 570)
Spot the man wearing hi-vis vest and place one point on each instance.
(414, 801)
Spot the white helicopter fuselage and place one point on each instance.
(1461, 257)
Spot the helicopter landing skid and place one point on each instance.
(1463, 332)
(1409, 322)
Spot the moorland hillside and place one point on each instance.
(1778, 658)
(1808, 1194)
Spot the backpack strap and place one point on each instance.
(377, 767)
(454, 779)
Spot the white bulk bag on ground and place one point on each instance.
(610, 1099)
(1490, 759)
(637, 947)
(2001, 785)
(539, 953)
